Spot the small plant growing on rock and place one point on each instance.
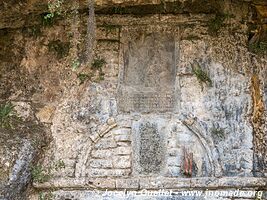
(75, 64)
(219, 132)
(201, 75)
(98, 63)
(46, 196)
(48, 19)
(101, 75)
(83, 77)
(96, 69)
(7, 115)
(40, 175)
(59, 165)
(54, 8)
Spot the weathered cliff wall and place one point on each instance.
(175, 98)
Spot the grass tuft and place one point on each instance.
(98, 63)
(201, 75)
(7, 114)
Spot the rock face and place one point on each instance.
(174, 99)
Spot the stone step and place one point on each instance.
(153, 188)
(152, 183)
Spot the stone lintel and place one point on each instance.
(154, 183)
(129, 20)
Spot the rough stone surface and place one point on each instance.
(149, 147)
(145, 119)
(145, 195)
(148, 76)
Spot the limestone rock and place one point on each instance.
(45, 114)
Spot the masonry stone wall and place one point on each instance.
(172, 105)
(152, 118)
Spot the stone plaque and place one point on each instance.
(148, 78)
(147, 101)
(149, 147)
(151, 154)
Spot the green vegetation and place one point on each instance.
(46, 196)
(219, 132)
(201, 75)
(259, 48)
(59, 165)
(96, 66)
(49, 16)
(98, 63)
(83, 77)
(119, 10)
(54, 8)
(61, 49)
(41, 174)
(75, 64)
(215, 24)
(101, 76)
(7, 115)
(48, 19)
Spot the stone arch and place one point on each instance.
(88, 146)
(206, 142)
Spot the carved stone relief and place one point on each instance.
(149, 70)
